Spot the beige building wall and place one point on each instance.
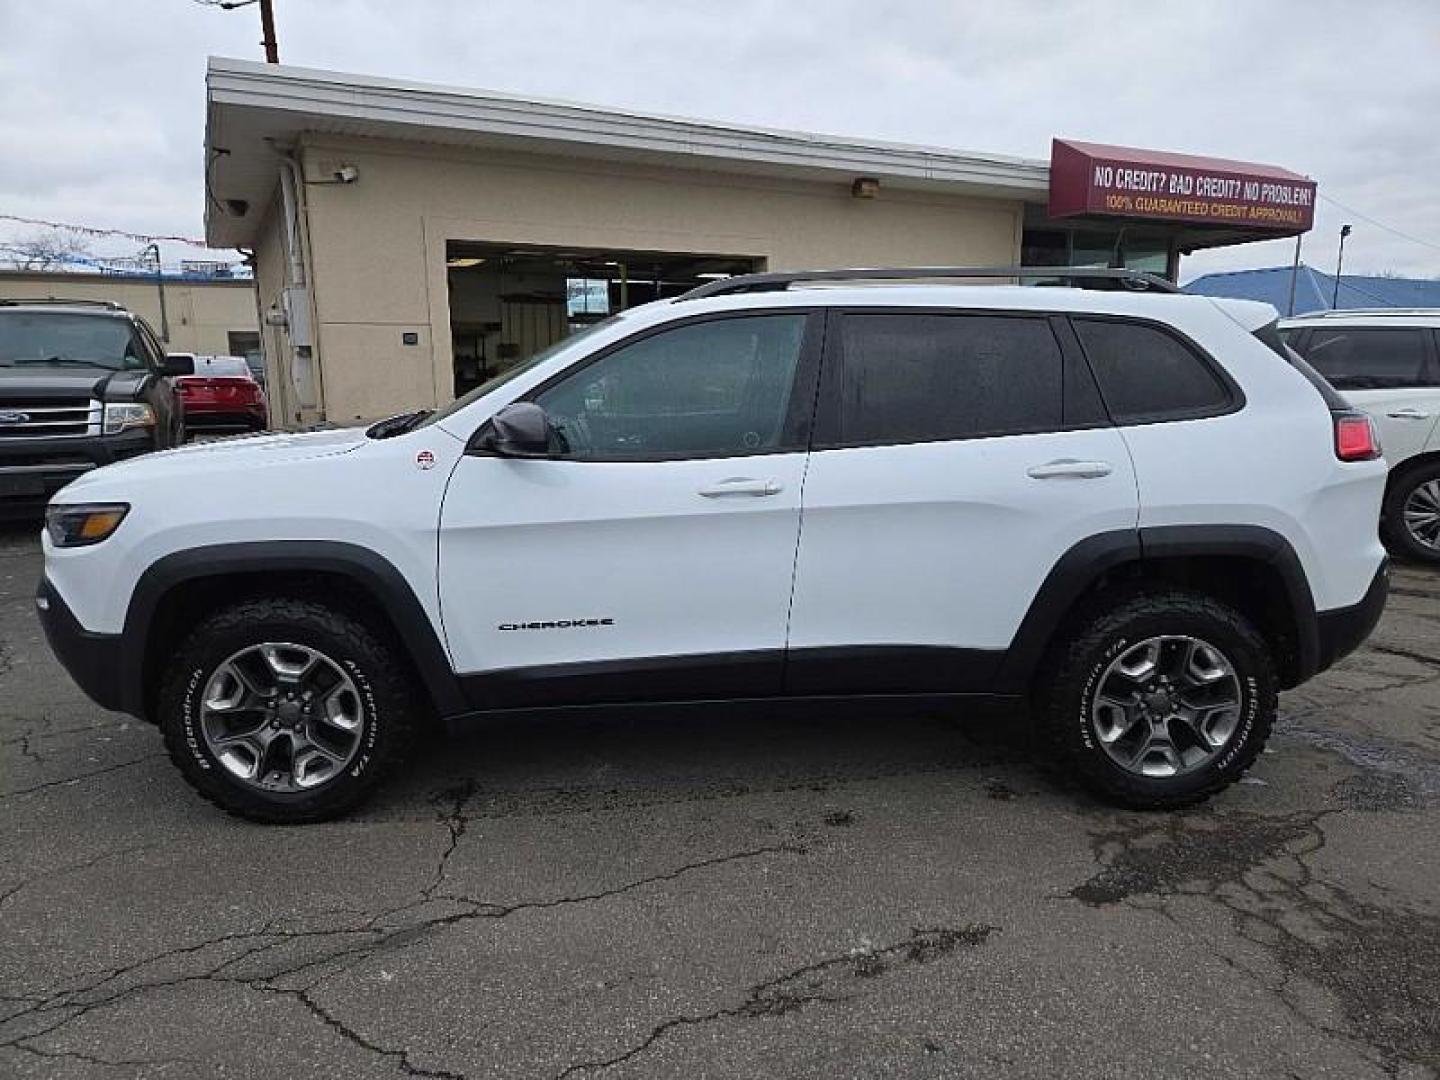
(271, 268)
(201, 313)
(377, 246)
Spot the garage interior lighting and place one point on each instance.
(463, 263)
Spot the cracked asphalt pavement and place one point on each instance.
(658, 896)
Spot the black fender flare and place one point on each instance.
(1075, 572)
(369, 570)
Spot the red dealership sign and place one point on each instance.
(1088, 178)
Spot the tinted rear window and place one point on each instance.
(1361, 358)
(215, 367)
(924, 378)
(1147, 374)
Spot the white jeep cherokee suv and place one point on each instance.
(1387, 363)
(1134, 512)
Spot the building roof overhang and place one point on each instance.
(253, 109)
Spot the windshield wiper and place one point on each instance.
(397, 425)
(61, 361)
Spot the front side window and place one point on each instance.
(1369, 359)
(925, 378)
(708, 389)
(1147, 374)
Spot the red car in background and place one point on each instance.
(222, 395)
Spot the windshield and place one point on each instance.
(519, 369)
(55, 339)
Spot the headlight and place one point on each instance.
(80, 524)
(122, 417)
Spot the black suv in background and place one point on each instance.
(82, 384)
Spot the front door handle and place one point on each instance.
(1069, 468)
(742, 485)
(1408, 414)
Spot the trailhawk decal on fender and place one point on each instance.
(557, 624)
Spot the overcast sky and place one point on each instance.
(102, 101)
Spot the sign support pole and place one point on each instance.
(1294, 273)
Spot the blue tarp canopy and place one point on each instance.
(1313, 289)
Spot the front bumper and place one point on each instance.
(1342, 630)
(93, 660)
(32, 470)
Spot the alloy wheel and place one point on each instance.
(1166, 706)
(1422, 515)
(282, 717)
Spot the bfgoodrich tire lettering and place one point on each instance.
(1125, 628)
(376, 683)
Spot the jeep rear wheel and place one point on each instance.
(285, 711)
(1160, 700)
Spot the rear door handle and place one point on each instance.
(1069, 468)
(1408, 414)
(742, 485)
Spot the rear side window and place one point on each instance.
(1147, 374)
(1368, 358)
(924, 378)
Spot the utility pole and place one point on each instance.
(160, 285)
(1339, 265)
(1294, 272)
(267, 28)
(267, 23)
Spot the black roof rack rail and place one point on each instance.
(1081, 277)
(59, 301)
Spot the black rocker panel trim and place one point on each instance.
(369, 570)
(891, 669)
(717, 676)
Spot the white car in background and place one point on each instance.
(1387, 362)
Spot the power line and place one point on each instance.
(95, 230)
(1379, 224)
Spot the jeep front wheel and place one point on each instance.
(1160, 700)
(285, 711)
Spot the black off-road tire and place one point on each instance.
(385, 688)
(1075, 664)
(1397, 537)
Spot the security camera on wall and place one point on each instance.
(346, 174)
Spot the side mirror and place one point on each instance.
(178, 364)
(520, 430)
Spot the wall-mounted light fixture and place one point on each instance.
(865, 187)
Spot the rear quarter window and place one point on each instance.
(1147, 374)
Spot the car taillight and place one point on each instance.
(1355, 438)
